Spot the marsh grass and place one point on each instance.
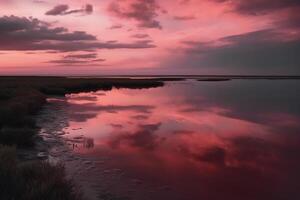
(33, 180)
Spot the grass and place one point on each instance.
(32, 180)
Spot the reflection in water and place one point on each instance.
(194, 140)
(88, 143)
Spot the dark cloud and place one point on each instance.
(140, 36)
(116, 26)
(99, 60)
(16, 29)
(285, 13)
(117, 126)
(183, 132)
(75, 62)
(140, 117)
(19, 34)
(289, 19)
(63, 9)
(255, 52)
(143, 11)
(67, 61)
(58, 10)
(255, 7)
(185, 17)
(14, 23)
(87, 9)
(82, 56)
(82, 46)
(78, 59)
(39, 1)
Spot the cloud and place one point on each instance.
(116, 26)
(117, 126)
(289, 19)
(144, 12)
(85, 46)
(99, 60)
(69, 61)
(39, 1)
(58, 10)
(87, 9)
(24, 34)
(79, 46)
(75, 61)
(140, 117)
(255, 52)
(18, 29)
(82, 56)
(259, 6)
(63, 9)
(185, 17)
(283, 14)
(78, 59)
(140, 36)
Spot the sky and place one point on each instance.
(149, 37)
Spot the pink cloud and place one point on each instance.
(105, 32)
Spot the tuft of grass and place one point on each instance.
(33, 180)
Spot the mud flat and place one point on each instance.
(58, 148)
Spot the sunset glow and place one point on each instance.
(100, 37)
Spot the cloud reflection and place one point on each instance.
(234, 140)
(143, 138)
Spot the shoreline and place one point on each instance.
(22, 98)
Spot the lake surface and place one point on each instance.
(188, 140)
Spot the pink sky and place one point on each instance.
(96, 37)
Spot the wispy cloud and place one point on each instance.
(63, 9)
(144, 12)
(24, 34)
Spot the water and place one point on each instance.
(188, 140)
